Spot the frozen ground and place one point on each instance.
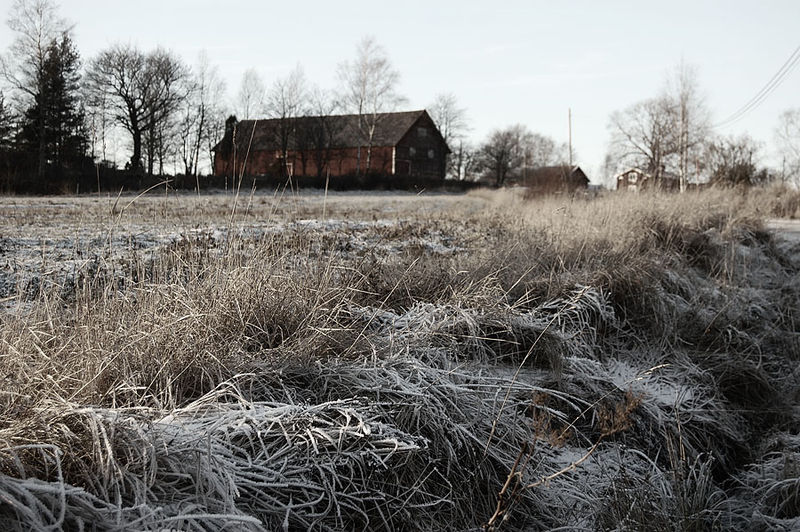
(623, 395)
(51, 240)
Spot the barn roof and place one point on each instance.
(556, 175)
(389, 130)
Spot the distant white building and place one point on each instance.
(636, 179)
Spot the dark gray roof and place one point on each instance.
(553, 175)
(390, 129)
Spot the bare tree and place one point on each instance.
(6, 124)
(733, 161)
(691, 119)
(369, 89)
(449, 117)
(250, 98)
(664, 133)
(97, 120)
(200, 109)
(466, 155)
(190, 123)
(286, 101)
(457, 161)
(643, 136)
(319, 135)
(215, 130)
(511, 153)
(37, 26)
(142, 91)
(211, 98)
(499, 155)
(539, 150)
(170, 87)
(788, 140)
(451, 121)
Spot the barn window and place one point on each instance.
(422, 132)
(412, 152)
(430, 154)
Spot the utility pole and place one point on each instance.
(569, 111)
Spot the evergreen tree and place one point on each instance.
(52, 127)
(6, 144)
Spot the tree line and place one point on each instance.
(68, 117)
(672, 134)
(62, 116)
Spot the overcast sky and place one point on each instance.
(506, 62)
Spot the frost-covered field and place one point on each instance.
(399, 362)
(58, 239)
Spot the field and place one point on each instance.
(400, 362)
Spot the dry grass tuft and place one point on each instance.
(623, 362)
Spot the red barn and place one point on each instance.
(401, 144)
(551, 179)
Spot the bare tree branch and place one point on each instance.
(369, 89)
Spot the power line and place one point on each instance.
(765, 91)
(777, 79)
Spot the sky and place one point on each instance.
(507, 62)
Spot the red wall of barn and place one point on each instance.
(342, 161)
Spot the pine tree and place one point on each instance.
(6, 144)
(52, 127)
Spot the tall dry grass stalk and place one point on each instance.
(630, 360)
